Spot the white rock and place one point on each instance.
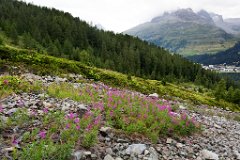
(11, 111)
(179, 145)
(87, 153)
(104, 129)
(109, 151)
(153, 154)
(58, 79)
(47, 105)
(182, 107)
(136, 149)
(66, 106)
(10, 149)
(217, 126)
(108, 157)
(237, 155)
(118, 158)
(154, 95)
(82, 107)
(3, 119)
(169, 140)
(146, 152)
(78, 155)
(206, 154)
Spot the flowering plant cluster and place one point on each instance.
(125, 110)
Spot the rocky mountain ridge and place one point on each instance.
(186, 29)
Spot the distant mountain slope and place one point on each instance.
(230, 25)
(185, 32)
(230, 56)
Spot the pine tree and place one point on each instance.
(1, 40)
(220, 90)
(67, 47)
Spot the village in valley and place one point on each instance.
(223, 68)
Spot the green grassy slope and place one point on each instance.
(44, 64)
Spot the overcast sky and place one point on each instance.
(120, 15)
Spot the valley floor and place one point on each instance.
(219, 138)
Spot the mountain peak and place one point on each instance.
(186, 14)
(216, 17)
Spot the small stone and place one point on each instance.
(109, 151)
(58, 79)
(43, 95)
(154, 95)
(11, 111)
(206, 154)
(136, 149)
(169, 140)
(179, 145)
(87, 153)
(93, 156)
(146, 152)
(82, 107)
(236, 154)
(3, 119)
(182, 107)
(104, 131)
(78, 155)
(217, 126)
(122, 141)
(66, 106)
(153, 154)
(118, 158)
(108, 157)
(189, 150)
(47, 105)
(10, 149)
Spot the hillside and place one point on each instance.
(229, 57)
(73, 111)
(230, 25)
(185, 32)
(59, 34)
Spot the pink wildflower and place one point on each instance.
(89, 127)
(20, 103)
(67, 126)
(111, 113)
(42, 134)
(71, 116)
(173, 114)
(184, 116)
(15, 141)
(1, 108)
(6, 82)
(45, 110)
(77, 127)
(193, 120)
(97, 120)
(76, 120)
(33, 113)
(145, 116)
(187, 123)
(162, 107)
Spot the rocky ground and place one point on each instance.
(220, 138)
